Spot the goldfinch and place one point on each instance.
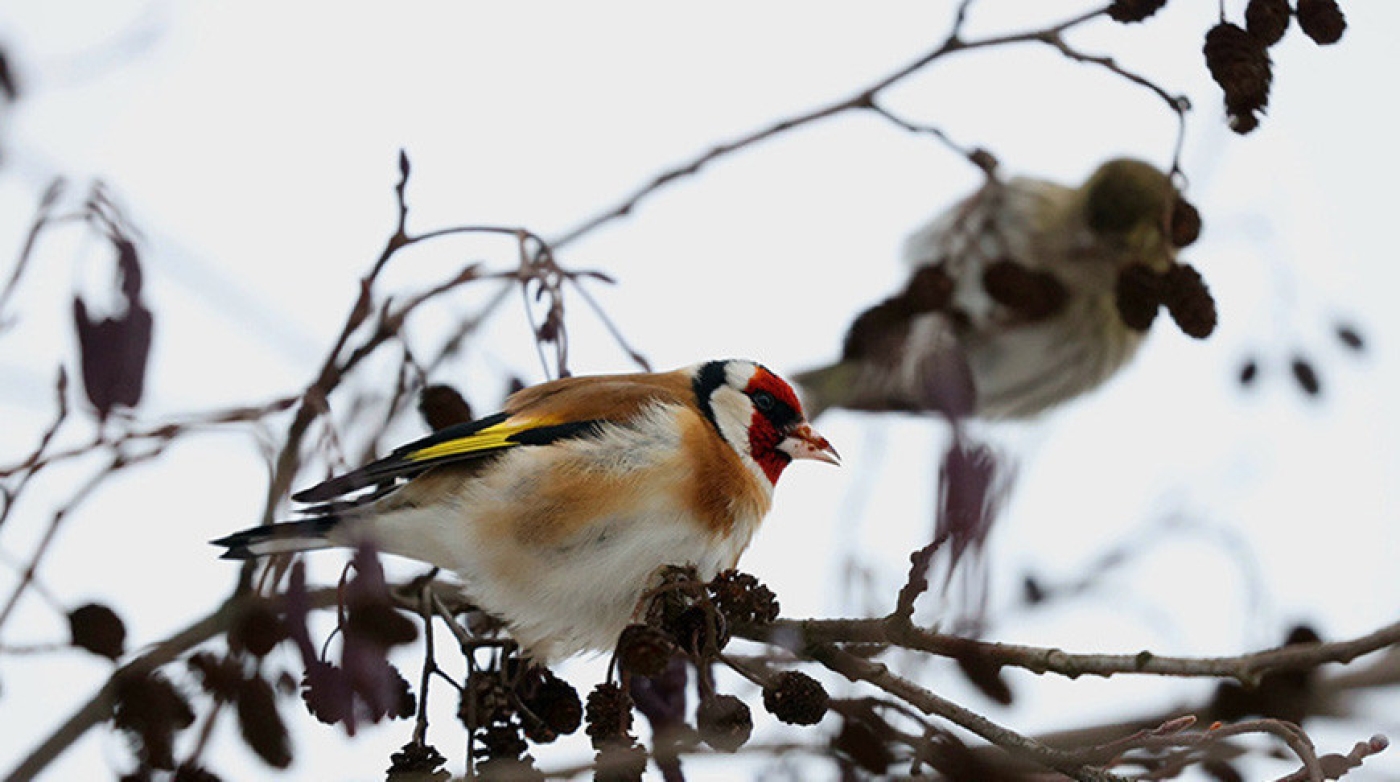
(556, 512)
(1022, 296)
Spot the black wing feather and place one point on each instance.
(544, 435)
(382, 472)
(396, 463)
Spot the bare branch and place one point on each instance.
(1245, 668)
(1026, 748)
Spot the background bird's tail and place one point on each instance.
(824, 387)
(278, 538)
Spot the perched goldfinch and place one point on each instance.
(556, 512)
(1022, 296)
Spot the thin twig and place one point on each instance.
(165, 432)
(41, 220)
(114, 464)
(36, 459)
(425, 610)
(860, 100)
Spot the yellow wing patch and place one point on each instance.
(492, 438)
(476, 439)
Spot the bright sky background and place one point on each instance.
(255, 144)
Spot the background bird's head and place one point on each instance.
(1128, 203)
(758, 415)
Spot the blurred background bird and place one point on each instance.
(1024, 295)
(558, 512)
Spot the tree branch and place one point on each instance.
(1244, 668)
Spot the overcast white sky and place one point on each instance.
(255, 144)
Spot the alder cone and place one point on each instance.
(1267, 20)
(1322, 21)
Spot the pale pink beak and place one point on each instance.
(804, 443)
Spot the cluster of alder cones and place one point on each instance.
(1238, 57)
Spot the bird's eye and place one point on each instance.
(764, 401)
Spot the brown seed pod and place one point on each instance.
(415, 757)
(724, 722)
(643, 650)
(97, 629)
(260, 723)
(1138, 294)
(1128, 11)
(1322, 20)
(1033, 295)
(699, 629)
(1267, 20)
(796, 698)
(620, 761)
(608, 713)
(1350, 336)
(1240, 64)
(1185, 227)
(150, 710)
(743, 599)
(929, 289)
(442, 406)
(551, 705)
(1189, 301)
(219, 676)
(256, 628)
(1306, 376)
(881, 329)
(484, 701)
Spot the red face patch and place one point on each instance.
(763, 380)
(776, 408)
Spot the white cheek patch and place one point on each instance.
(733, 413)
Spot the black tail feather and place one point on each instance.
(275, 538)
